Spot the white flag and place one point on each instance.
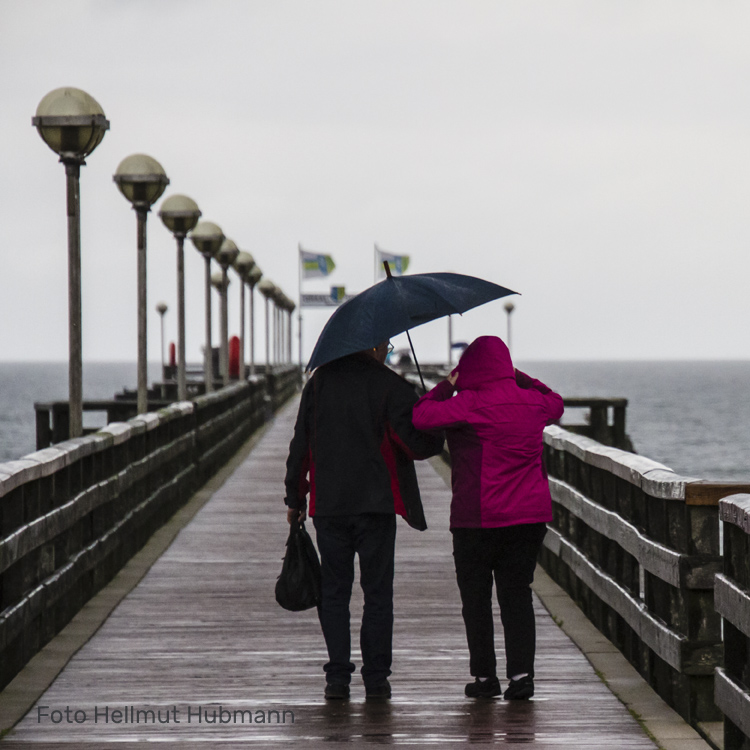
(397, 263)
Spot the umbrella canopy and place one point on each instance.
(395, 305)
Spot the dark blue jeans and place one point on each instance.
(372, 536)
(507, 554)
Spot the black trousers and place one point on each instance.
(372, 536)
(507, 554)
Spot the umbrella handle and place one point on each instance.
(414, 354)
(388, 274)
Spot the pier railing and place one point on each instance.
(52, 417)
(71, 515)
(637, 547)
(732, 600)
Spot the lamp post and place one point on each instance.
(253, 278)
(290, 307)
(227, 254)
(277, 297)
(180, 214)
(220, 282)
(243, 264)
(162, 308)
(281, 306)
(266, 288)
(509, 307)
(141, 180)
(72, 124)
(207, 238)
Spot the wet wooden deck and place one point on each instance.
(203, 633)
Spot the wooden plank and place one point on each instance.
(45, 528)
(582, 401)
(732, 602)
(735, 509)
(654, 557)
(658, 637)
(654, 478)
(710, 493)
(203, 630)
(733, 700)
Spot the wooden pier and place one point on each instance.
(201, 637)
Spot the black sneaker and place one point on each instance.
(483, 689)
(520, 690)
(335, 691)
(381, 691)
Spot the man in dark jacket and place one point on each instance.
(355, 440)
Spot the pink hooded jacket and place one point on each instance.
(494, 428)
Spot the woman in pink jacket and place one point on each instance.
(501, 502)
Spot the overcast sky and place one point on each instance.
(592, 155)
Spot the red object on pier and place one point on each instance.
(172, 354)
(234, 357)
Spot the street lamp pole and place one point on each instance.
(253, 278)
(266, 288)
(142, 180)
(207, 238)
(243, 264)
(162, 308)
(281, 303)
(142, 302)
(209, 353)
(290, 307)
(72, 124)
(276, 326)
(180, 214)
(227, 254)
(75, 306)
(220, 282)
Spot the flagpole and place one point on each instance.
(299, 287)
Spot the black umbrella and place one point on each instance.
(395, 305)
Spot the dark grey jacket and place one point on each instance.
(354, 443)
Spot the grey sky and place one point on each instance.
(592, 155)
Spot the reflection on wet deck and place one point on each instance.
(203, 629)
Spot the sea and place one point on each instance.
(694, 417)
(22, 384)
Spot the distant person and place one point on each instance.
(501, 502)
(355, 440)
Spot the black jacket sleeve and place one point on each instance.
(298, 461)
(416, 444)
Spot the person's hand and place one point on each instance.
(300, 513)
(453, 377)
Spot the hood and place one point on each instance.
(485, 361)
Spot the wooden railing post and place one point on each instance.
(618, 425)
(43, 428)
(598, 421)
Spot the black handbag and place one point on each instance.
(298, 586)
